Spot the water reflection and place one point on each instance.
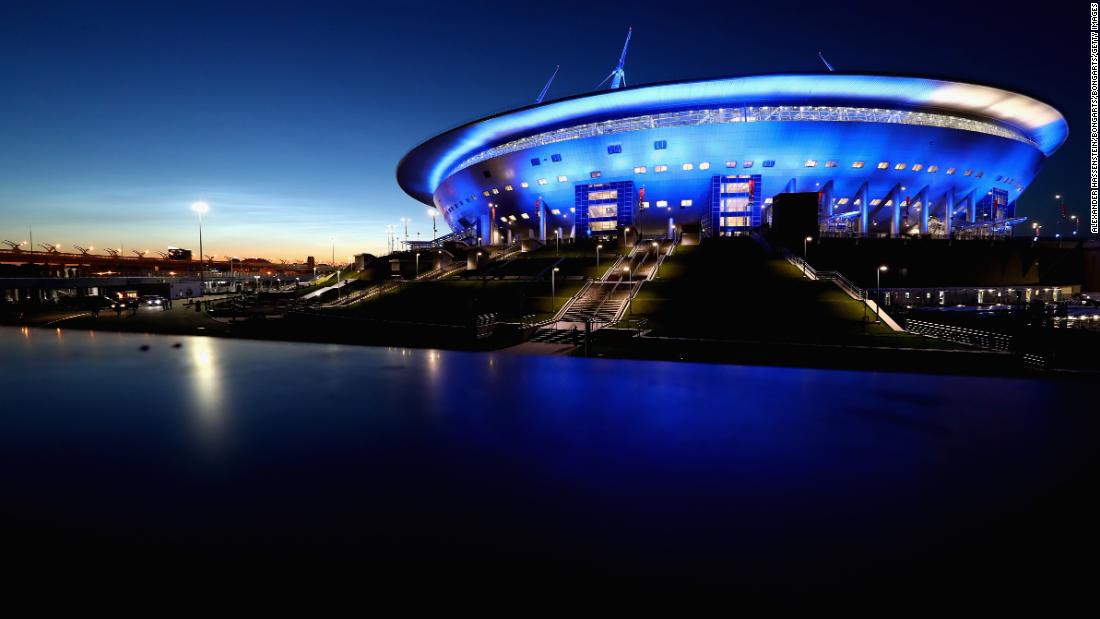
(206, 387)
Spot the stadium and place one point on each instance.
(887, 156)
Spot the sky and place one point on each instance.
(289, 118)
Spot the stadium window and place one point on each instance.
(507, 188)
(535, 161)
(660, 168)
(496, 192)
(556, 158)
(662, 203)
(899, 166)
(830, 163)
(811, 163)
(486, 193)
(524, 184)
(968, 173)
(504, 220)
(614, 149)
(857, 164)
(747, 164)
(932, 169)
(768, 163)
(687, 166)
(645, 205)
(842, 201)
(882, 165)
(685, 203)
(640, 169)
(704, 165)
(542, 181)
(525, 215)
(562, 178)
(767, 200)
(731, 164)
(660, 145)
(917, 167)
(950, 170)
(511, 218)
(594, 174)
(555, 211)
(876, 201)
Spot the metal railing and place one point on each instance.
(962, 335)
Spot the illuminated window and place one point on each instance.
(769, 163)
(842, 201)
(601, 226)
(562, 178)
(602, 210)
(882, 165)
(609, 194)
(525, 215)
(614, 149)
(857, 164)
(595, 174)
(524, 185)
(917, 167)
(555, 211)
(645, 204)
(704, 165)
(504, 220)
(507, 188)
(736, 205)
(486, 193)
(542, 181)
(932, 169)
(899, 166)
(747, 164)
(811, 163)
(731, 164)
(687, 166)
(950, 170)
(555, 158)
(640, 169)
(536, 161)
(968, 173)
(660, 168)
(767, 200)
(830, 163)
(684, 203)
(660, 145)
(511, 218)
(496, 192)
(876, 201)
(662, 203)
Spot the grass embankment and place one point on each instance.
(459, 302)
(730, 289)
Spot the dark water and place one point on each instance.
(494, 464)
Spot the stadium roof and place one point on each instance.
(425, 167)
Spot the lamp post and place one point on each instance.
(657, 258)
(553, 292)
(201, 208)
(431, 213)
(1076, 224)
(805, 255)
(599, 246)
(417, 265)
(878, 290)
(405, 220)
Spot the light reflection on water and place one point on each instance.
(252, 441)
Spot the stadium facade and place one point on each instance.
(887, 155)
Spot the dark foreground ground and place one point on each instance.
(233, 458)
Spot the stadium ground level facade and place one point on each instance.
(886, 156)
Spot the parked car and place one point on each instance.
(152, 301)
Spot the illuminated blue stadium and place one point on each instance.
(887, 155)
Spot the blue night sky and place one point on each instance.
(289, 118)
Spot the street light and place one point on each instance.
(878, 292)
(201, 208)
(1076, 224)
(553, 292)
(805, 255)
(598, 248)
(432, 212)
(417, 265)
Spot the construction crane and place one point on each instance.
(139, 254)
(546, 88)
(618, 75)
(83, 251)
(114, 253)
(12, 245)
(50, 249)
(163, 254)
